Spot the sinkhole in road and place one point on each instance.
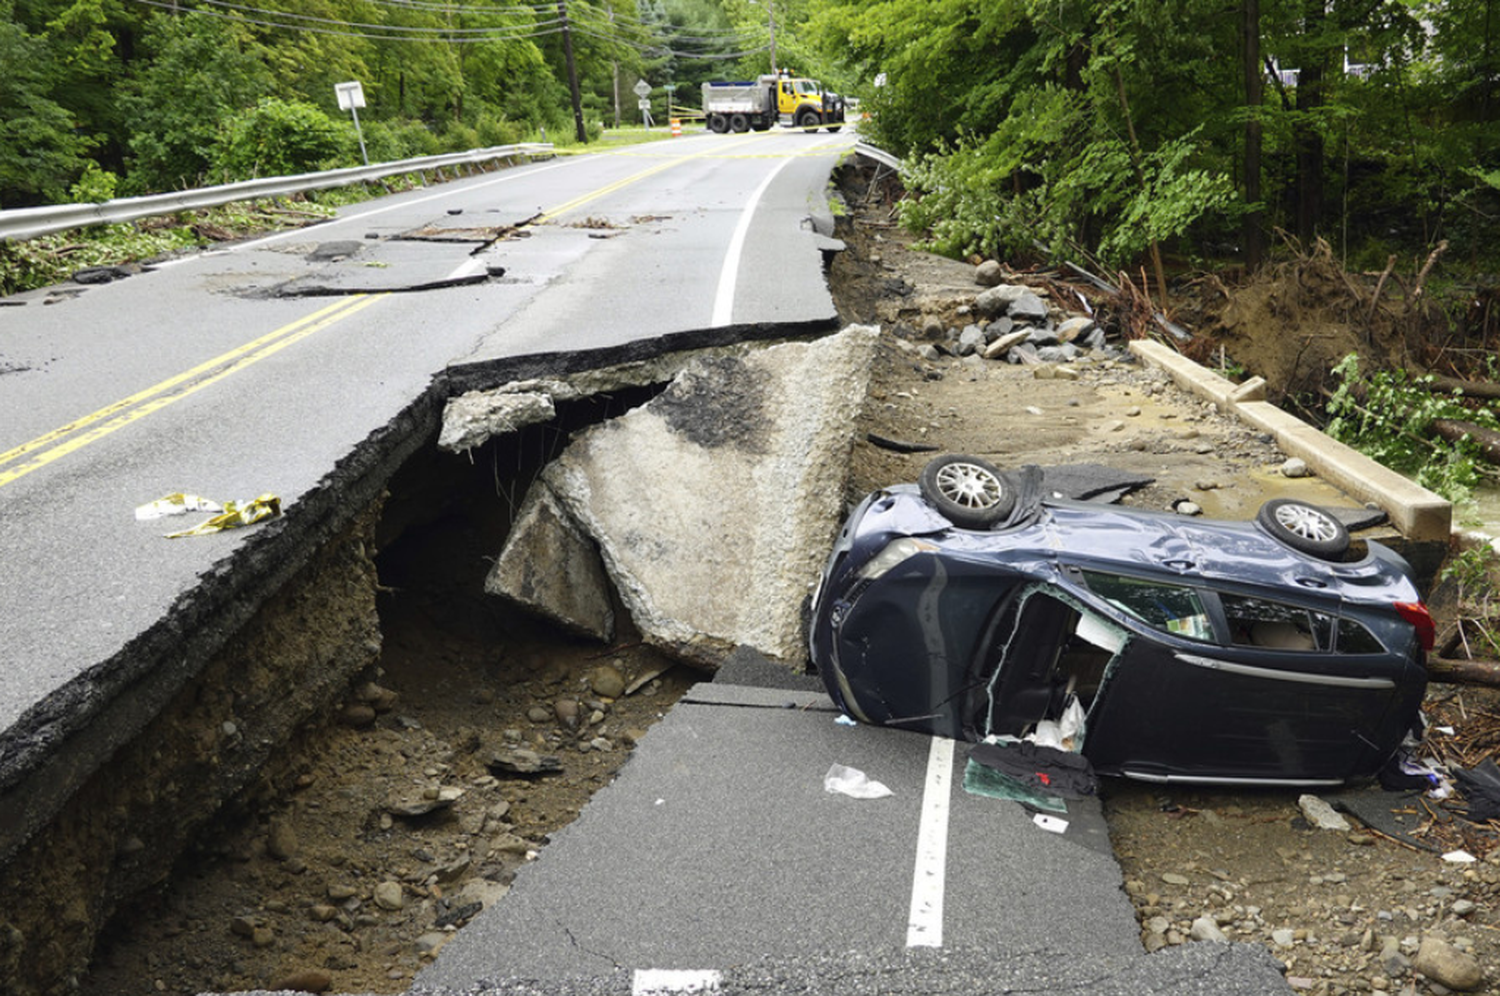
(392, 819)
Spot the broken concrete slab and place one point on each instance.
(730, 480)
(552, 569)
(471, 419)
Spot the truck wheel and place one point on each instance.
(718, 124)
(834, 127)
(738, 122)
(808, 120)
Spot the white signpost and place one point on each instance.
(352, 98)
(643, 91)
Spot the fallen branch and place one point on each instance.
(1440, 384)
(1453, 430)
(1390, 266)
(1432, 259)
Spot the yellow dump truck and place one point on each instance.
(791, 101)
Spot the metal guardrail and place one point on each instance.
(878, 155)
(25, 223)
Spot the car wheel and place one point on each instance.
(1305, 528)
(968, 491)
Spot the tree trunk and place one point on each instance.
(1309, 141)
(1451, 671)
(1254, 234)
(1453, 430)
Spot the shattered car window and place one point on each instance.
(1355, 639)
(1172, 608)
(1255, 622)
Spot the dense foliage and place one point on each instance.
(1124, 130)
(1386, 415)
(1119, 127)
(152, 95)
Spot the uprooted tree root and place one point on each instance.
(1293, 320)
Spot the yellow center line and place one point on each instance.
(80, 432)
(113, 417)
(649, 171)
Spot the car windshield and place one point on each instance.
(1171, 608)
(807, 86)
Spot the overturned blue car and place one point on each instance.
(1274, 652)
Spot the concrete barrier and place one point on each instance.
(1420, 514)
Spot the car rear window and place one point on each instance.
(1257, 622)
(1171, 608)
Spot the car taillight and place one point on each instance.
(1416, 613)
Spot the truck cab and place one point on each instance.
(802, 103)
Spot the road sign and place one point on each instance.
(642, 88)
(643, 104)
(351, 95)
(351, 98)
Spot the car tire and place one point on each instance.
(1305, 528)
(969, 492)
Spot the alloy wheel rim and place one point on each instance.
(1306, 522)
(969, 485)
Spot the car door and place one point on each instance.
(1232, 688)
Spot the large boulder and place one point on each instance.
(714, 505)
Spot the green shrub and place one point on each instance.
(279, 138)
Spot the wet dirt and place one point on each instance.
(332, 879)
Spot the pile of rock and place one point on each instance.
(1012, 322)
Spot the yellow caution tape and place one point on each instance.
(234, 515)
(178, 504)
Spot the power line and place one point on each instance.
(325, 26)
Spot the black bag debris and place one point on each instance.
(1045, 769)
(1481, 789)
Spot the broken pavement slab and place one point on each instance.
(730, 480)
(554, 570)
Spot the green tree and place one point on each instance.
(174, 125)
(41, 150)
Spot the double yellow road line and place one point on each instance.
(39, 452)
(45, 449)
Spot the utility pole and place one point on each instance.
(562, 12)
(771, 15)
(615, 67)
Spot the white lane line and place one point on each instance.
(467, 268)
(660, 981)
(924, 927)
(724, 298)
